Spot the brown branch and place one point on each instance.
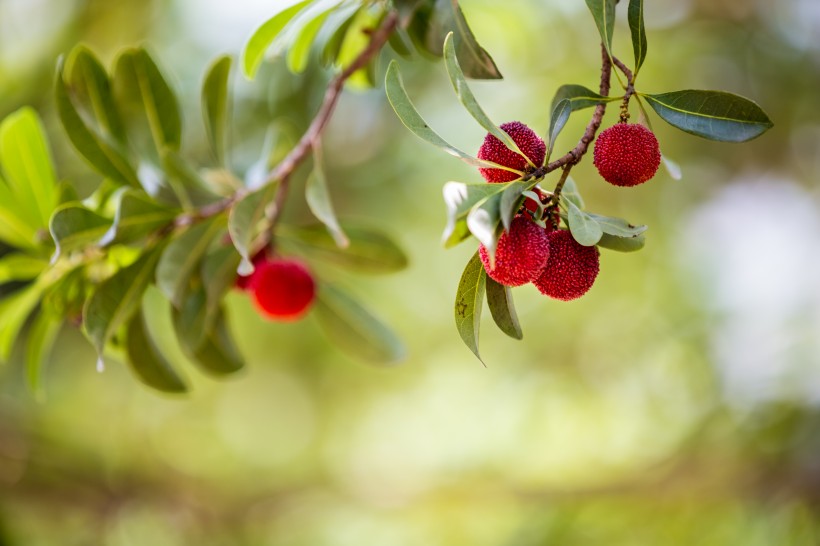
(300, 152)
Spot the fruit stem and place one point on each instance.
(630, 88)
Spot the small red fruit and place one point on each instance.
(282, 289)
(521, 253)
(571, 268)
(627, 154)
(494, 150)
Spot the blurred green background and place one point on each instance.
(677, 403)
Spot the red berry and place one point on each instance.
(521, 253)
(282, 289)
(494, 150)
(627, 154)
(571, 269)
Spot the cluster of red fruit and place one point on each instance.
(549, 257)
(282, 289)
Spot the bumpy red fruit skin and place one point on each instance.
(521, 253)
(571, 268)
(282, 289)
(627, 154)
(494, 150)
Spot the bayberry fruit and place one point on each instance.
(571, 268)
(520, 255)
(627, 154)
(494, 150)
(282, 289)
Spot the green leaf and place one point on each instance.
(502, 309)
(617, 226)
(244, 220)
(27, 163)
(370, 251)
(218, 272)
(144, 93)
(100, 155)
(475, 61)
(137, 216)
(409, 116)
(91, 86)
(558, 119)
(636, 25)
(484, 222)
(715, 115)
(579, 97)
(215, 105)
(181, 258)
(188, 186)
(146, 359)
(338, 25)
(469, 301)
(254, 51)
(511, 200)
(74, 227)
(17, 266)
(191, 321)
(15, 230)
(672, 167)
(354, 329)
(465, 95)
(319, 202)
(116, 299)
(299, 50)
(41, 338)
(14, 310)
(218, 354)
(622, 244)
(571, 193)
(603, 11)
(460, 198)
(583, 226)
(356, 40)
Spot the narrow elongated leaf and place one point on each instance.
(356, 40)
(354, 329)
(218, 354)
(27, 163)
(571, 193)
(370, 251)
(502, 309)
(41, 338)
(511, 200)
(617, 226)
(320, 204)
(182, 256)
(218, 272)
(465, 95)
(146, 359)
(136, 217)
(622, 244)
(244, 220)
(191, 320)
(558, 119)
(579, 97)
(469, 302)
(215, 105)
(460, 198)
(254, 51)
(584, 228)
(338, 25)
(715, 115)
(145, 93)
(192, 189)
(17, 266)
(114, 301)
(447, 17)
(299, 50)
(484, 222)
(409, 116)
(638, 28)
(91, 87)
(15, 230)
(99, 154)
(14, 310)
(603, 11)
(74, 227)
